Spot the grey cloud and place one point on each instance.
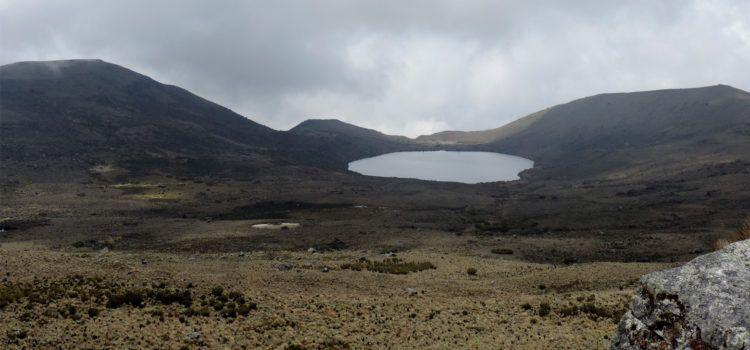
(400, 66)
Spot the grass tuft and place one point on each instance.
(544, 309)
(742, 233)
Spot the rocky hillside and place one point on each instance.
(704, 304)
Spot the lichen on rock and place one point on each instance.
(704, 304)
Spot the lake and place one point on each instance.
(465, 167)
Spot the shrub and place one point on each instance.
(14, 336)
(68, 311)
(10, 294)
(526, 306)
(235, 295)
(594, 311)
(218, 305)
(566, 311)
(195, 311)
(157, 313)
(131, 297)
(544, 309)
(72, 310)
(392, 265)
(228, 312)
(169, 296)
(217, 291)
(245, 308)
(471, 271)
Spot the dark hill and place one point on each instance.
(89, 112)
(351, 142)
(85, 105)
(625, 134)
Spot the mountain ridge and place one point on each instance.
(91, 111)
(452, 137)
(624, 134)
(95, 112)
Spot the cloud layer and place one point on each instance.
(403, 67)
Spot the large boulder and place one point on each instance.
(704, 304)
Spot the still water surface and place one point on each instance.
(466, 167)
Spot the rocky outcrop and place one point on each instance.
(704, 304)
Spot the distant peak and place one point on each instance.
(332, 126)
(320, 124)
(56, 64)
(717, 87)
(64, 68)
(727, 88)
(323, 121)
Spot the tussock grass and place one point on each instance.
(741, 233)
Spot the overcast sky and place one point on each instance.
(402, 67)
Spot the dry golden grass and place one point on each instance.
(721, 243)
(742, 233)
(305, 307)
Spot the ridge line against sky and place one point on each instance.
(405, 68)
